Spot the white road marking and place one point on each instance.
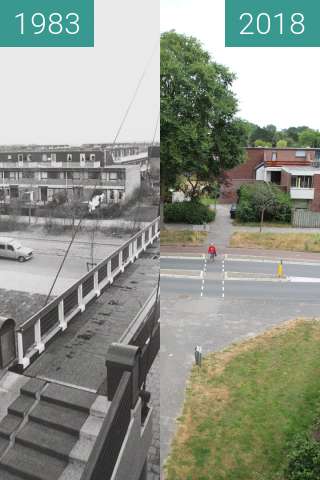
(274, 261)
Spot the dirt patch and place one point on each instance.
(20, 305)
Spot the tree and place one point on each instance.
(309, 138)
(200, 136)
(264, 199)
(268, 134)
(282, 143)
(262, 143)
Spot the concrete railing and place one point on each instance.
(37, 331)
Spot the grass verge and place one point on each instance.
(182, 237)
(245, 404)
(300, 242)
(265, 224)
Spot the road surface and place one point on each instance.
(36, 275)
(216, 304)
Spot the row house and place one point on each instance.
(40, 176)
(295, 170)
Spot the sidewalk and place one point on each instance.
(220, 233)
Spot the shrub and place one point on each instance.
(188, 212)
(252, 197)
(303, 459)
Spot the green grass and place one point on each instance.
(299, 242)
(265, 224)
(183, 237)
(245, 404)
(208, 201)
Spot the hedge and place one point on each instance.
(193, 212)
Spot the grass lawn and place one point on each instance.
(245, 404)
(265, 224)
(208, 201)
(182, 237)
(300, 242)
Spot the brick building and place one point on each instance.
(295, 170)
(41, 174)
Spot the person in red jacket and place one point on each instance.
(212, 251)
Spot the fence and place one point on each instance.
(115, 455)
(306, 219)
(37, 331)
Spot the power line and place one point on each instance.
(96, 184)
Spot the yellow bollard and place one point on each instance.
(280, 269)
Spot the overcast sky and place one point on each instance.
(274, 85)
(80, 95)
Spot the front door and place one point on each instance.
(44, 194)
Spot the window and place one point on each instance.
(10, 247)
(20, 157)
(13, 175)
(44, 157)
(301, 182)
(2, 247)
(274, 156)
(76, 175)
(9, 157)
(301, 153)
(27, 174)
(69, 157)
(29, 157)
(112, 195)
(92, 157)
(82, 157)
(53, 157)
(113, 176)
(53, 175)
(43, 175)
(93, 175)
(120, 195)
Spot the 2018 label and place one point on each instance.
(263, 24)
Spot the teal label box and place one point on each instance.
(272, 23)
(47, 23)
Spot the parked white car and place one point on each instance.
(11, 248)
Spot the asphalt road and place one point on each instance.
(201, 306)
(36, 275)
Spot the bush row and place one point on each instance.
(192, 212)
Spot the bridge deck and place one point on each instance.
(77, 356)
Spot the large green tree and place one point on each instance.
(200, 135)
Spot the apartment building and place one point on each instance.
(295, 170)
(40, 175)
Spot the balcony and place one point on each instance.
(302, 193)
(48, 165)
(61, 183)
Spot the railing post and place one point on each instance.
(109, 272)
(131, 251)
(62, 320)
(150, 236)
(143, 241)
(37, 336)
(123, 358)
(96, 283)
(135, 248)
(121, 261)
(24, 361)
(80, 299)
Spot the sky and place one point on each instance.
(80, 95)
(277, 86)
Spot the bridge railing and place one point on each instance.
(37, 331)
(121, 449)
